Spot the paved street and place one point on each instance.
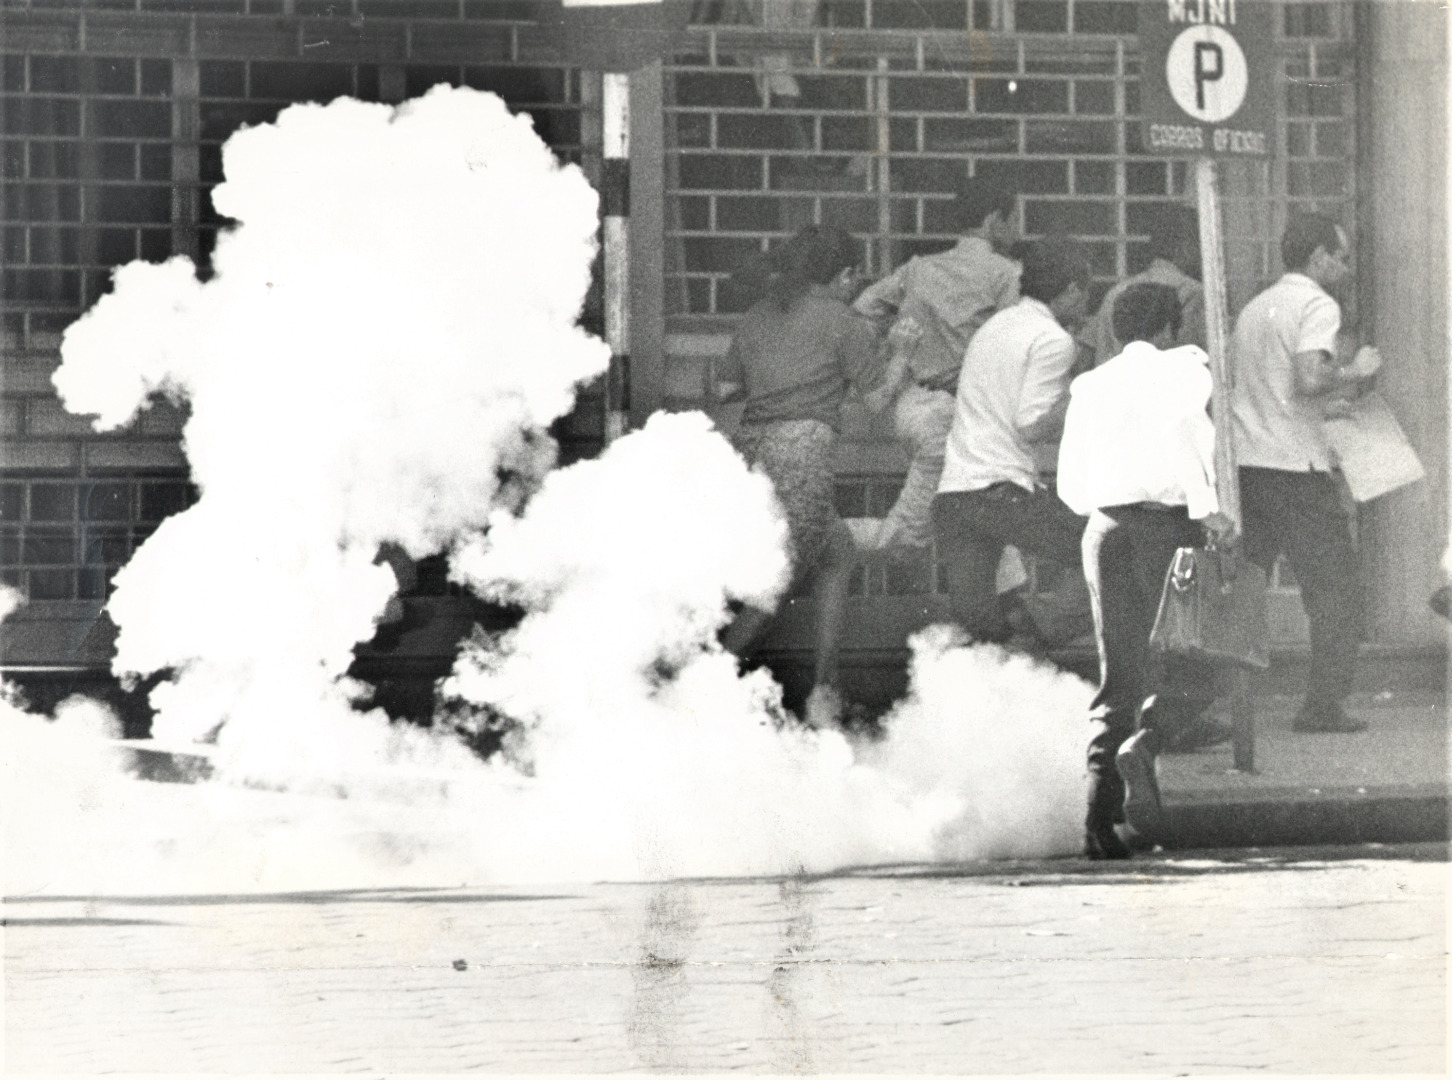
(1320, 960)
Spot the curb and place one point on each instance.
(1295, 817)
(1276, 817)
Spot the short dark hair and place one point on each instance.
(813, 256)
(1304, 234)
(1171, 229)
(1050, 266)
(1142, 311)
(976, 197)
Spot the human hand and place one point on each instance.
(1220, 527)
(1366, 362)
(904, 334)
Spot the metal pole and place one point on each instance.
(615, 207)
(1227, 478)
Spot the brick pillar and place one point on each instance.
(1402, 271)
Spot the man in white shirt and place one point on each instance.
(1285, 381)
(934, 304)
(1011, 394)
(1138, 457)
(1174, 248)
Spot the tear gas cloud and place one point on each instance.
(389, 329)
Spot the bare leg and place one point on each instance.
(831, 589)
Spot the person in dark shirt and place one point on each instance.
(792, 359)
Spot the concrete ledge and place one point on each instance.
(1270, 818)
(1388, 816)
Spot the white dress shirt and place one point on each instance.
(1137, 430)
(1275, 427)
(1015, 372)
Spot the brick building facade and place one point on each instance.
(760, 120)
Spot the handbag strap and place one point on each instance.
(1182, 570)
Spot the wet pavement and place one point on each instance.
(1315, 960)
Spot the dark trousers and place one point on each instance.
(1299, 514)
(1127, 552)
(971, 528)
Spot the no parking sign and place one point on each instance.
(1207, 77)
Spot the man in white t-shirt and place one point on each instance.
(1285, 381)
(1138, 457)
(1012, 393)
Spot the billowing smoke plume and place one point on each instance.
(388, 330)
(654, 757)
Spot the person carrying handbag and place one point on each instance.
(1137, 457)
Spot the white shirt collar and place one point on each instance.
(1035, 304)
(973, 242)
(1137, 349)
(1298, 278)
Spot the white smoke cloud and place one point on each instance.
(1003, 734)
(388, 330)
(654, 757)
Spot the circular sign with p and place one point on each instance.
(1206, 72)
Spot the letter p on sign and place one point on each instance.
(1206, 73)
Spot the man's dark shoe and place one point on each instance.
(1198, 734)
(1326, 719)
(1136, 764)
(1102, 842)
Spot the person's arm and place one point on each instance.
(892, 383)
(1192, 319)
(1195, 456)
(862, 360)
(1044, 397)
(882, 300)
(1316, 371)
(1076, 449)
(725, 376)
(1318, 374)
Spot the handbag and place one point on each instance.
(1213, 607)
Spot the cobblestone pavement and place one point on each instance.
(1311, 961)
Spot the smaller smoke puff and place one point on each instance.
(651, 756)
(628, 563)
(1001, 734)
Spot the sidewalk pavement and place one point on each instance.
(1386, 784)
(1325, 961)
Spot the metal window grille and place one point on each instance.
(113, 122)
(865, 119)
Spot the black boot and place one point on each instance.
(1106, 795)
(1136, 764)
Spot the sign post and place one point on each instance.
(608, 39)
(1207, 90)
